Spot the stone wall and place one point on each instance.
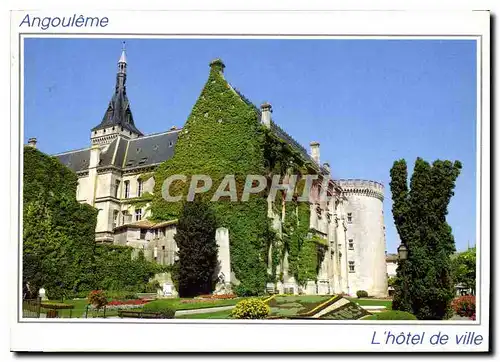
(365, 237)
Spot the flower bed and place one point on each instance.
(465, 306)
(125, 304)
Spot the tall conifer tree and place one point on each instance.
(198, 249)
(424, 285)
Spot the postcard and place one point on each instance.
(218, 179)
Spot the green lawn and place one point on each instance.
(178, 305)
(224, 314)
(372, 302)
(80, 307)
(77, 312)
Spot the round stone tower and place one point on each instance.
(365, 237)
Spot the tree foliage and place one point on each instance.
(59, 248)
(424, 285)
(464, 269)
(198, 249)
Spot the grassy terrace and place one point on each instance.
(178, 303)
(225, 314)
(281, 306)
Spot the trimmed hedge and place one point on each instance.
(165, 308)
(362, 294)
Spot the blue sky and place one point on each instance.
(368, 102)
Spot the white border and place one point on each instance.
(253, 337)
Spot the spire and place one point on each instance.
(121, 76)
(118, 112)
(123, 58)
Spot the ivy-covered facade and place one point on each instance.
(286, 245)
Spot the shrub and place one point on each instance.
(162, 307)
(242, 291)
(151, 287)
(465, 306)
(251, 309)
(362, 294)
(97, 299)
(53, 305)
(392, 315)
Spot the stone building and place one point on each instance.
(115, 176)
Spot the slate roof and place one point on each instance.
(126, 154)
(150, 150)
(278, 131)
(118, 113)
(77, 160)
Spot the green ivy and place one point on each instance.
(59, 248)
(142, 201)
(223, 136)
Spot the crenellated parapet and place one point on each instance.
(362, 187)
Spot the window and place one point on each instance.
(117, 187)
(143, 234)
(351, 267)
(127, 189)
(138, 214)
(349, 218)
(115, 218)
(351, 244)
(139, 188)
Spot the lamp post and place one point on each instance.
(402, 252)
(404, 302)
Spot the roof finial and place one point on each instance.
(123, 59)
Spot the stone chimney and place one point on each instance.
(217, 65)
(95, 156)
(315, 152)
(266, 109)
(32, 142)
(326, 166)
